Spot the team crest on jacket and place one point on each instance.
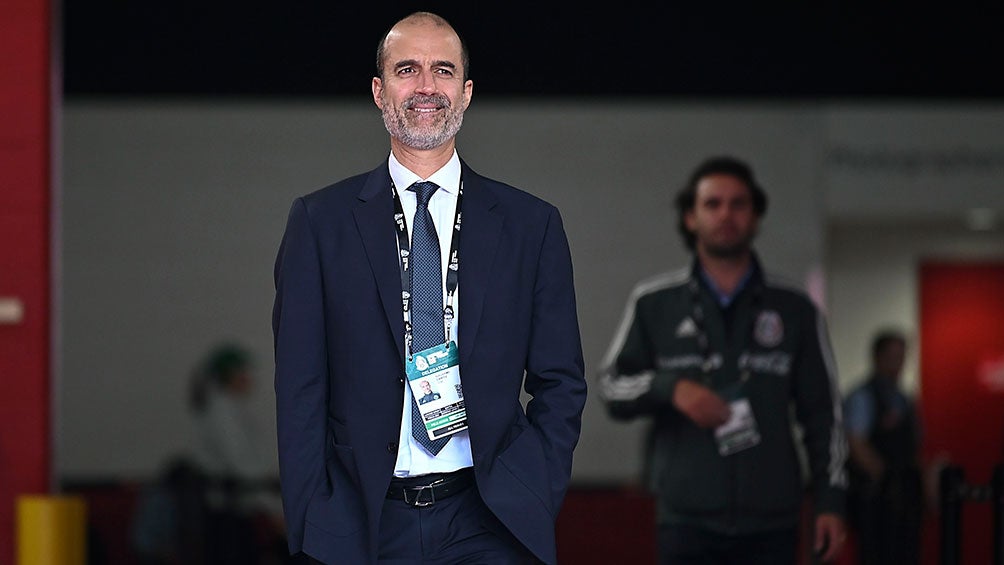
(768, 331)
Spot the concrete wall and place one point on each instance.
(173, 211)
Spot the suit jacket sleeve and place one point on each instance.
(555, 369)
(300, 370)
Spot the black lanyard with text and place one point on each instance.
(452, 279)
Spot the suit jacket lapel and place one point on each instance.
(375, 222)
(479, 239)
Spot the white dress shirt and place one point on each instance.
(412, 458)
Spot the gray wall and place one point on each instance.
(899, 181)
(172, 213)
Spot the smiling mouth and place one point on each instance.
(427, 104)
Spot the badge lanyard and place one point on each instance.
(452, 279)
(703, 343)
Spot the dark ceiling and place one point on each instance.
(824, 49)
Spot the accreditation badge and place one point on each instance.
(740, 432)
(434, 378)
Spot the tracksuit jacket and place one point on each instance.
(770, 346)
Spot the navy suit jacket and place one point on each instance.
(339, 361)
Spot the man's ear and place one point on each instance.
(688, 220)
(377, 88)
(468, 93)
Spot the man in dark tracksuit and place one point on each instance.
(717, 356)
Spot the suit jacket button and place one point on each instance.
(400, 382)
(391, 447)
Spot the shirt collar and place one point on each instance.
(447, 177)
(752, 274)
(724, 299)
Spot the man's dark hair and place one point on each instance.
(884, 338)
(720, 165)
(465, 60)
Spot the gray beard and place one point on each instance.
(421, 138)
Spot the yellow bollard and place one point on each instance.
(51, 530)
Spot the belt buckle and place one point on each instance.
(418, 494)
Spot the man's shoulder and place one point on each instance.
(338, 197)
(344, 188)
(662, 286)
(787, 289)
(507, 194)
(858, 403)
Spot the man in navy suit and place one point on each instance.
(361, 481)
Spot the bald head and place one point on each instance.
(414, 20)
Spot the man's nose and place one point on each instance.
(427, 83)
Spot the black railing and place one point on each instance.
(954, 492)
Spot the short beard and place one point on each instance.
(733, 251)
(730, 252)
(424, 137)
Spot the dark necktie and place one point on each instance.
(426, 296)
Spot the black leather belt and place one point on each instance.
(426, 490)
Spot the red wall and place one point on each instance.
(962, 401)
(25, 147)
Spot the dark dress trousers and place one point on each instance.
(339, 358)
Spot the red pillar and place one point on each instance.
(25, 225)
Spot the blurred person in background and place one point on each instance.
(231, 450)
(884, 435)
(721, 356)
(168, 525)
